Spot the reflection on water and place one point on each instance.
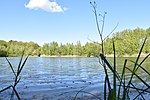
(60, 76)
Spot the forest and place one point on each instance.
(127, 42)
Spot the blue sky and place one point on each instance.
(44, 21)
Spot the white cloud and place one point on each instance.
(45, 5)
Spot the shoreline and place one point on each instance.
(76, 56)
(65, 56)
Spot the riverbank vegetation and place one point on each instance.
(128, 42)
(116, 87)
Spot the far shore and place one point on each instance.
(84, 56)
(76, 56)
(67, 56)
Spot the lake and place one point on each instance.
(58, 78)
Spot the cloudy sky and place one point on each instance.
(44, 21)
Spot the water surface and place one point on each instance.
(56, 78)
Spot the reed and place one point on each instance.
(120, 88)
(125, 85)
(16, 75)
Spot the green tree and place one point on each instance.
(63, 49)
(92, 49)
(78, 49)
(3, 48)
(45, 49)
(70, 48)
(53, 47)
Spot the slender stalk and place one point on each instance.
(122, 78)
(17, 76)
(136, 62)
(114, 80)
(5, 89)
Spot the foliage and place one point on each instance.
(128, 42)
(15, 48)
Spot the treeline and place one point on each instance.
(15, 48)
(127, 42)
(53, 48)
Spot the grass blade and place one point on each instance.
(109, 66)
(141, 93)
(144, 59)
(20, 63)
(5, 89)
(136, 62)
(23, 65)
(16, 93)
(91, 94)
(78, 93)
(11, 66)
(141, 67)
(105, 89)
(122, 76)
(114, 75)
(138, 77)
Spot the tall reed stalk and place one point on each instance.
(16, 75)
(120, 89)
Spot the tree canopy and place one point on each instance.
(126, 42)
